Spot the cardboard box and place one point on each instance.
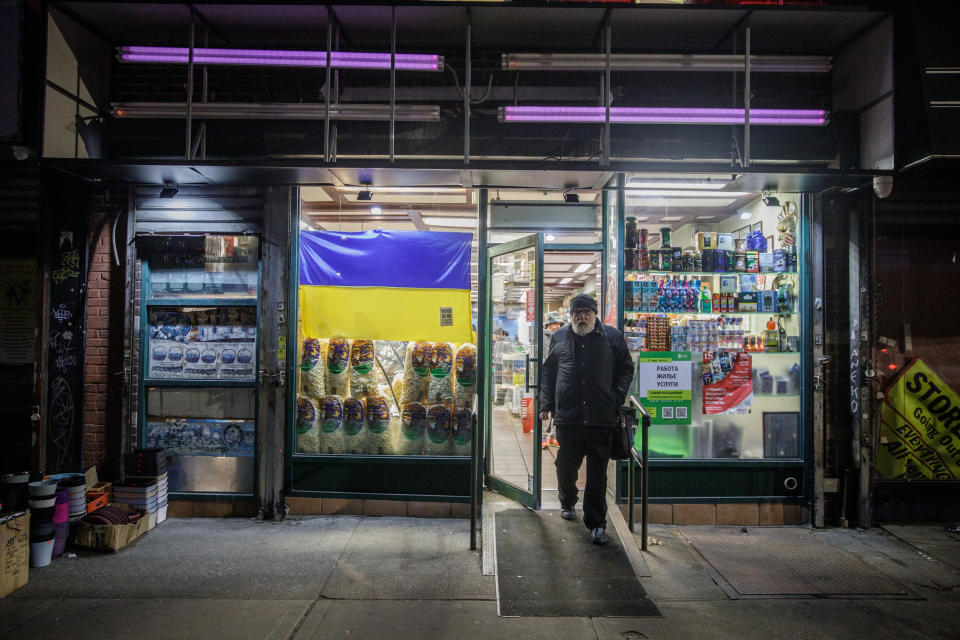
(111, 537)
(14, 553)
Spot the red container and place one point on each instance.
(526, 414)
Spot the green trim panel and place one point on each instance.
(420, 476)
(706, 481)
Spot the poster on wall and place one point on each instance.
(665, 384)
(216, 343)
(202, 436)
(919, 427)
(18, 301)
(727, 382)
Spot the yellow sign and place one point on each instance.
(919, 427)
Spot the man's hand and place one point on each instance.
(545, 415)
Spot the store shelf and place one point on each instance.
(707, 273)
(691, 313)
(197, 382)
(202, 302)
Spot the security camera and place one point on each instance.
(883, 186)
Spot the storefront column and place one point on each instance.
(274, 305)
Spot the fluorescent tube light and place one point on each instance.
(427, 190)
(275, 111)
(581, 268)
(643, 193)
(565, 281)
(451, 222)
(662, 115)
(745, 215)
(281, 58)
(376, 211)
(664, 62)
(657, 201)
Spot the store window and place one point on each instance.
(200, 342)
(386, 340)
(712, 318)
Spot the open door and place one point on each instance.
(515, 308)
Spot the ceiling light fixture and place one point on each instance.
(679, 193)
(366, 195)
(745, 215)
(571, 197)
(663, 62)
(583, 267)
(565, 281)
(169, 190)
(770, 200)
(467, 223)
(550, 237)
(276, 111)
(376, 211)
(662, 115)
(281, 58)
(383, 189)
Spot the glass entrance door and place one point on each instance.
(515, 308)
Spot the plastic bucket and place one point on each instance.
(41, 503)
(19, 477)
(41, 552)
(41, 516)
(41, 531)
(61, 513)
(63, 495)
(43, 488)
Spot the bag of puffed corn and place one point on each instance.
(308, 433)
(440, 387)
(416, 371)
(465, 370)
(331, 425)
(338, 361)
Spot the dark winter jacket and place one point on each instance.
(584, 379)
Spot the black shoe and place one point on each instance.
(568, 514)
(599, 536)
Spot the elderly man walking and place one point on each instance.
(584, 379)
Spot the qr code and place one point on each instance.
(667, 413)
(681, 413)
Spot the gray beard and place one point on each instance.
(581, 328)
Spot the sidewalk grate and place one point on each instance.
(773, 561)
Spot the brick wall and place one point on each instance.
(103, 387)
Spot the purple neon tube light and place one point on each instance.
(267, 57)
(663, 115)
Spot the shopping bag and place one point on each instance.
(623, 434)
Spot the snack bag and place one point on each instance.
(416, 371)
(338, 361)
(308, 433)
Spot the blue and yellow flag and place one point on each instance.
(386, 285)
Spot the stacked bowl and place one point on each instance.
(13, 491)
(42, 506)
(61, 521)
(76, 486)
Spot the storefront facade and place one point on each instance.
(705, 274)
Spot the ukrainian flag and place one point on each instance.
(386, 285)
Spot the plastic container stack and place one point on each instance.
(42, 500)
(145, 482)
(13, 491)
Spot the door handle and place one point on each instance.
(526, 375)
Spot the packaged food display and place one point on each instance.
(462, 431)
(437, 439)
(466, 376)
(416, 372)
(354, 438)
(331, 424)
(363, 378)
(440, 386)
(338, 360)
(379, 428)
(413, 427)
(308, 434)
(313, 370)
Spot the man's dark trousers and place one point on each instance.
(575, 443)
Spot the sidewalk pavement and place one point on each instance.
(366, 577)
